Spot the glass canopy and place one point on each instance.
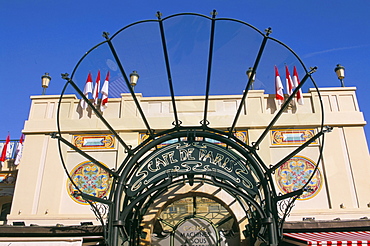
(197, 56)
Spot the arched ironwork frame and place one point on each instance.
(213, 47)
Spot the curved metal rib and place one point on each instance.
(168, 68)
(151, 132)
(258, 58)
(210, 55)
(96, 112)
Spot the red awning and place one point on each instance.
(332, 238)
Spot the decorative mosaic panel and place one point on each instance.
(293, 174)
(94, 141)
(90, 179)
(241, 135)
(291, 136)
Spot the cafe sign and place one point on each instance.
(192, 158)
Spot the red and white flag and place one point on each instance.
(87, 90)
(96, 89)
(5, 149)
(289, 83)
(295, 85)
(18, 152)
(104, 92)
(279, 95)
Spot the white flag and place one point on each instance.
(87, 90)
(279, 95)
(289, 83)
(104, 92)
(18, 152)
(96, 89)
(295, 84)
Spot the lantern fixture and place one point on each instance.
(134, 76)
(339, 70)
(249, 73)
(45, 80)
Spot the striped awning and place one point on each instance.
(331, 238)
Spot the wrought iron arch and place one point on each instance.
(214, 43)
(135, 200)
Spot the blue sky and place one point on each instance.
(51, 36)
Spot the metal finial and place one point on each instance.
(106, 35)
(65, 76)
(268, 31)
(312, 70)
(158, 15)
(214, 13)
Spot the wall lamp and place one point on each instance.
(339, 70)
(249, 73)
(45, 80)
(134, 76)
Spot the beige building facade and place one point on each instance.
(339, 191)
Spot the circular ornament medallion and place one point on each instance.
(90, 179)
(295, 173)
